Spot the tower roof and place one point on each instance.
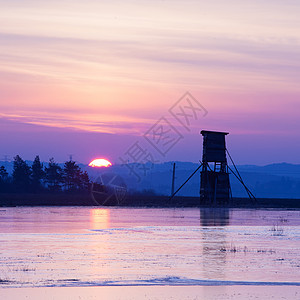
(204, 132)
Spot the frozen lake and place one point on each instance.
(84, 246)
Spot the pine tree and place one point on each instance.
(3, 174)
(53, 175)
(21, 175)
(38, 174)
(85, 181)
(72, 176)
(4, 180)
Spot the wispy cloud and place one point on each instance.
(96, 43)
(84, 122)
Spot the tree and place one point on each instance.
(53, 175)
(4, 180)
(21, 175)
(72, 176)
(85, 181)
(38, 174)
(3, 174)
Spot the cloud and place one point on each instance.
(84, 122)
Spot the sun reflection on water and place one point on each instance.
(99, 218)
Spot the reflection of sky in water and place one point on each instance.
(100, 246)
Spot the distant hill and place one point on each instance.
(279, 169)
(280, 180)
(270, 181)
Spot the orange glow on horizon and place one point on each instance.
(100, 162)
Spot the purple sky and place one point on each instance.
(90, 78)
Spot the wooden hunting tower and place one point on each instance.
(215, 185)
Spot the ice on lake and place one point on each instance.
(84, 246)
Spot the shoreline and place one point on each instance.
(138, 200)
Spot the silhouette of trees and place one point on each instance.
(85, 181)
(21, 175)
(3, 174)
(37, 178)
(73, 177)
(38, 174)
(53, 175)
(4, 180)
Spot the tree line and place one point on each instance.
(39, 178)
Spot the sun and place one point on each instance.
(100, 162)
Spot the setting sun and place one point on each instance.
(100, 162)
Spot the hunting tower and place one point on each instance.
(215, 185)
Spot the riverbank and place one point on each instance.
(135, 200)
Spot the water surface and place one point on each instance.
(84, 246)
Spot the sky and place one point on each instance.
(89, 78)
